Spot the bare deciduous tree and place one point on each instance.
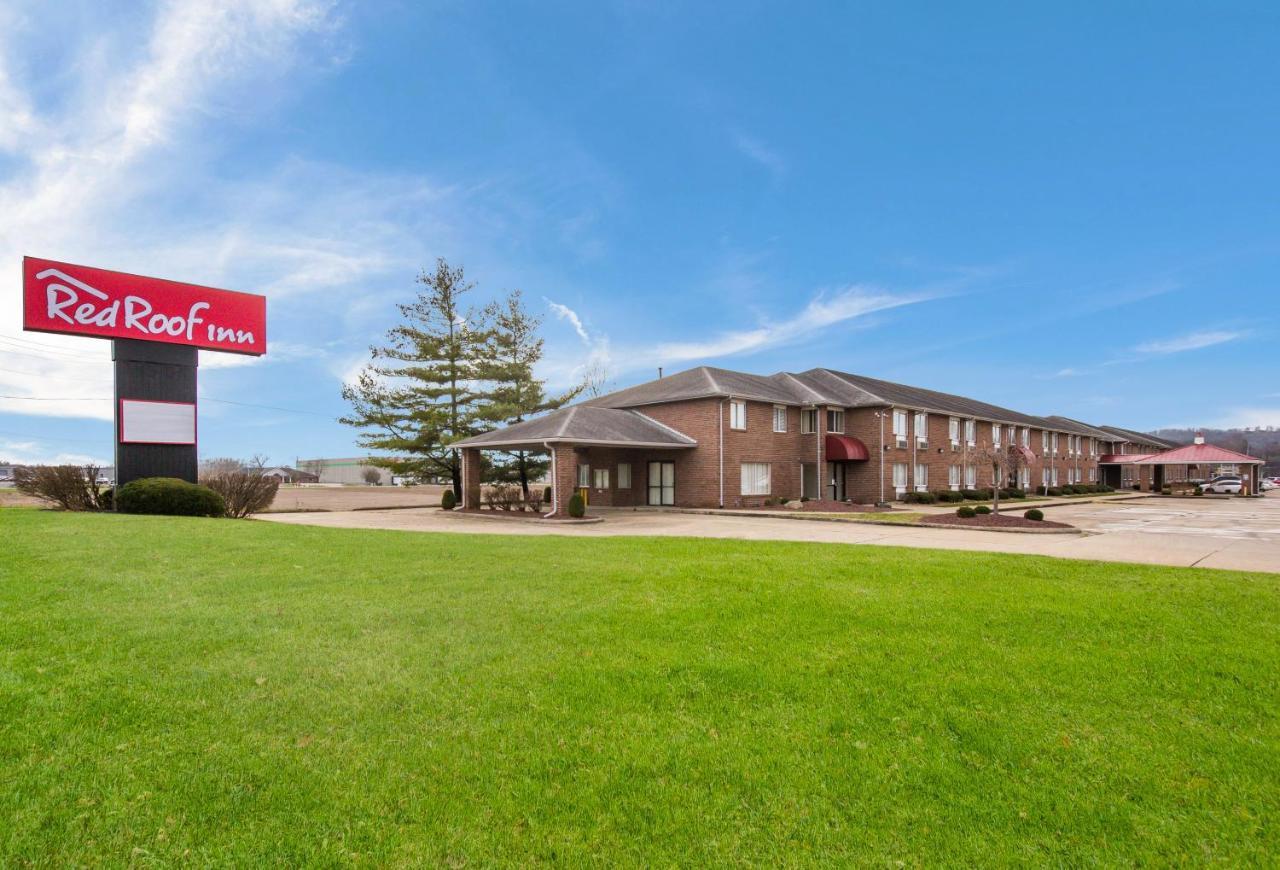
(1004, 462)
(242, 485)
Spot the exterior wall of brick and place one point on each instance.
(470, 478)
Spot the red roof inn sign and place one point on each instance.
(156, 326)
(60, 297)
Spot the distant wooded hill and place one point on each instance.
(1262, 443)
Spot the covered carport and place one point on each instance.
(1207, 457)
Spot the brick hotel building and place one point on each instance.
(710, 437)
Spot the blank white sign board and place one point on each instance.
(157, 422)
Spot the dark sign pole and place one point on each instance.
(147, 372)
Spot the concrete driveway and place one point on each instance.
(1242, 534)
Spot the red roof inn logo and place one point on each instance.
(80, 300)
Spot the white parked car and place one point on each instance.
(1225, 484)
(1268, 483)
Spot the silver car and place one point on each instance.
(1225, 484)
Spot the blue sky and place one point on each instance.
(1064, 209)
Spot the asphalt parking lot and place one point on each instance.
(1241, 534)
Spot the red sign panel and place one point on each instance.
(61, 297)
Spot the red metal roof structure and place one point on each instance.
(844, 448)
(1194, 454)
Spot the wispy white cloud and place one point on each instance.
(1190, 341)
(757, 151)
(39, 452)
(564, 312)
(1247, 417)
(825, 311)
(562, 368)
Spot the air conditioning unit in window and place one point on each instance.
(902, 442)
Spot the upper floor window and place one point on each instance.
(835, 420)
(1026, 436)
(737, 414)
(1044, 440)
(808, 421)
(900, 427)
(779, 418)
(1054, 442)
(953, 430)
(921, 429)
(970, 432)
(996, 428)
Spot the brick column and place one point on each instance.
(470, 478)
(564, 479)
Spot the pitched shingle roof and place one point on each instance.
(699, 383)
(582, 424)
(1139, 437)
(860, 391)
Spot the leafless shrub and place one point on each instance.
(242, 485)
(507, 496)
(490, 498)
(70, 487)
(534, 501)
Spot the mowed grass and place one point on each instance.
(213, 691)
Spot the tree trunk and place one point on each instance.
(522, 461)
(456, 474)
(995, 492)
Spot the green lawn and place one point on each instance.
(213, 691)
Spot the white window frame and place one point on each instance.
(1026, 437)
(970, 431)
(900, 477)
(953, 477)
(738, 415)
(1053, 477)
(996, 432)
(600, 478)
(624, 475)
(808, 421)
(953, 431)
(1054, 442)
(1024, 477)
(757, 478)
(921, 478)
(779, 418)
(584, 476)
(920, 428)
(970, 477)
(1044, 441)
(900, 427)
(835, 415)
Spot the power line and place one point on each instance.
(203, 398)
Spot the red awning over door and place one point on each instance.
(845, 448)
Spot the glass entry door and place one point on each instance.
(809, 480)
(835, 481)
(662, 483)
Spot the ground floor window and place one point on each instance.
(953, 477)
(900, 476)
(922, 477)
(601, 478)
(662, 483)
(970, 476)
(624, 475)
(1093, 475)
(1024, 477)
(755, 478)
(1053, 477)
(1044, 477)
(584, 475)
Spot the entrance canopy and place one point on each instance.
(845, 448)
(585, 426)
(1199, 454)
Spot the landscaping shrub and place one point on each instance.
(1055, 490)
(1105, 488)
(70, 487)
(965, 512)
(1137, 487)
(1034, 514)
(534, 501)
(919, 498)
(577, 507)
(546, 494)
(244, 488)
(1166, 490)
(169, 496)
(448, 500)
(1013, 492)
(1199, 490)
(982, 509)
(976, 494)
(947, 495)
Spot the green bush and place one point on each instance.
(577, 507)
(546, 494)
(169, 496)
(982, 509)
(919, 498)
(1055, 490)
(976, 494)
(947, 495)
(965, 512)
(1199, 490)
(448, 501)
(1034, 514)
(1013, 492)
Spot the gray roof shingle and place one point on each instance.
(583, 424)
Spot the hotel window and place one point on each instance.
(737, 414)
(900, 477)
(953, 476)
(1044, 477)
(601, 478)
(953, 431)
(624, 475)
(1053, 476)
(584, 476)
(835, 421)
(970, 477)
(900, 427)
(1026, 437)
(1044, 441)
(1054, 443)
(995, 434)
(755, 478)
(808, 421)
(922, 477)
(1093, 446)
(1093, 475)
(779, 418)
(922, 429)
(970, 431)
(1024, 477)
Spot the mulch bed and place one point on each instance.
(1004, 521)
(822, 507)
(521, 515)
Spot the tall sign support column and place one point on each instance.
(159, 382)
(156, 327)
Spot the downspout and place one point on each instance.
(555, 482)
(880, 414)
(915, 439)
(721, 427)
(819, 432)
